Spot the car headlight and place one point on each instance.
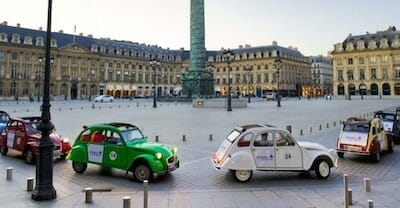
(174, 150)
(65, 140)
(158, 155)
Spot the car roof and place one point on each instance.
(258, 127)
(115, 126)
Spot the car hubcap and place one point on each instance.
(142, 173)
(243, 175)
(324, 169)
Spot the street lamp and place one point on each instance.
(228, 55)
(154, 63)
(298, 86)
(278, 63)
(248, 72)
(348, 85)
(44, 189)
(38, 74)
(90, 77)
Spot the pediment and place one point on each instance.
(75, 48)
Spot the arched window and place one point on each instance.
(374, 89)
(386, 89)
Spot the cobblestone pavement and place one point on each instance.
(196, 183)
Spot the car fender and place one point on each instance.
(78, 154)
(154, 164)
(241, 160)
(314, 156)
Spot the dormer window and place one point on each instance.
(39, 41)
(28, 40)
(3, 37)
(53, 43)
(360, 45)
(371, 44)
(349, 46)
(384, 43)
(15, 38)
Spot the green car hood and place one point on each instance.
(150, 147)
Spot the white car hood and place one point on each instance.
(312, 145)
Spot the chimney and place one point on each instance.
(4, 23)
(81, 34)
(247, 45)
(40, 28)
(240, 46)
(61, 31)
(90, 36)
(274, 43)
(18, 25)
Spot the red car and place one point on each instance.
(21, 134)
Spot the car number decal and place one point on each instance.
(10, 139)
(113, 155)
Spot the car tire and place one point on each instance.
(3, 150)
(243, 175)
(142, 172)
(340, 154)
(28, 156)
(79, 167)
(390, 147)
(322, 169)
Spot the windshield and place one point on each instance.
(232, 136)
(356, 127)
(132, 134)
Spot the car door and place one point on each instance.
(11, 133)
(115, 151)
(288, 153)
(263, 151)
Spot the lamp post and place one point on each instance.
(348, 85)
(228, 55)
(38, 75)
(380, 88)
(90, 77)
(44, 189)
(278, 63)
(248, 72)
(298, 86)
(154, 63)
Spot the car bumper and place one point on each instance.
(170, 168)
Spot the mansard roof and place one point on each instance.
(390, 34)
(87, 42)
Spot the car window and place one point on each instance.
(131, 135)
(85, 136)
(97, 137)
(244, 141)
(283, 139)
(356, 127)
(264, 139)
(113, 138)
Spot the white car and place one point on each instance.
(104, 98)
(268, 148)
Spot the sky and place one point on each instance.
(312, 26)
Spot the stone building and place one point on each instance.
(84, 66)
(367, 64)
(321, 75)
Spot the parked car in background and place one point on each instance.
(391, 123)
(267, 148)
(270, 96)
(22, 135)
(4, 118)
(363, 137)
(104, 98)
(122, 146)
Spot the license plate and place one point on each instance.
(353, 148)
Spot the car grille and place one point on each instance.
(171, 159)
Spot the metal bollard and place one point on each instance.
(9, 173)
(156, 138)
(310, 129)
(29, 184)
(301, 132)
(289, 128)
(184, 138)
(327, 125)
(334, 123)
(145, 193)
(350, 193)
(126, 202)
(88, 195)
(320, 127)
(211, 137)
(346, 189)
(367, 184)
(370, 203)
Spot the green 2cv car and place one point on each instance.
(122, 146)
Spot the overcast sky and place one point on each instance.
(313, 26)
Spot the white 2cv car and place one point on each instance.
(268, 148)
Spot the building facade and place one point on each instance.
(368, 64)
(254, 71)
(84, 66)
(321, 75)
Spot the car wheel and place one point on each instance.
(3, 150)
(142, 172)
(340, 154)
(243, 175)
(376, 157)
(322, 169)
(28, 156)
(79, 167)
